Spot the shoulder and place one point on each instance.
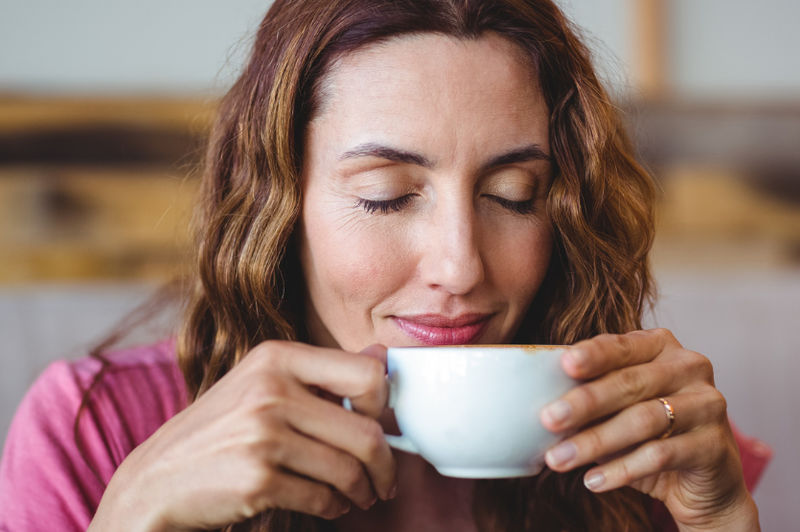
(138, 391)
(140, 385)
(54, 470)
(156, 361)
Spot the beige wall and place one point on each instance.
(736, 48)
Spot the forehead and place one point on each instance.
(437, 86)
(431, 57)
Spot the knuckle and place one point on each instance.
(594, 344)
(662, 333)
(268, 480)
(270, 354)
(262, 441)
(629, 381)
(373, 440)
(257, 491)
(593, 443)
(266, 395)
(352, 475)
(657, 455)
(699, 366)
(623, 344)
(625, 474)
(618, 346)
(252, 432)
(650, 420)
(324, 504)
(274, 388)
(249, 508)
(612, 341)
(705, 367)
(722, 444)
(270, 443)
(718, 405)
(253, 504)
(666, 337)
(374, 374)
(587, 397)
(605, 337)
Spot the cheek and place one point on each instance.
(519, 262)
(350, 264)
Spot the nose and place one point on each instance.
(452, 258)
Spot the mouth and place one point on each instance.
(434, 329)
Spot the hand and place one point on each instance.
(619, 421)
(262, 438)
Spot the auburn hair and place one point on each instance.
(248, 287)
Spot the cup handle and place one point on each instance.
(398, 442)
(401, 443)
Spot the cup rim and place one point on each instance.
(538, 347)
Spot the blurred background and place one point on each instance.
(104, 107)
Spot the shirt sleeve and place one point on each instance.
(755, 455)
(46, 483)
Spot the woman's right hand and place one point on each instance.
(262, 438)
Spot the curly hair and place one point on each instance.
(248, 287)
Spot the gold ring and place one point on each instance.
(670, 417)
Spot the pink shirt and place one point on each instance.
(47, 485)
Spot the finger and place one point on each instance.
(329, 465)
(376, 351)
(691, 450)
(613, 392)
(290, 492)
(360, 377)
(360, 436)
(641, 422)
(367, 404)
(606, 352)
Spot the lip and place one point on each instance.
(435, 329)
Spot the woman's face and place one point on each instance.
(424, 185)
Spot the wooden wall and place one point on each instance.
(104, 188)
(97, 188)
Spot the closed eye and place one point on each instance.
(518, 207)
(397, 204)
(384, 206)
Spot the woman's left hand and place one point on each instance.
(618, 421)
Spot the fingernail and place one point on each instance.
(562, 453)
(578, 356)
(558, 411)
(345, 509)
(374, 500)
(393, 491)
(594, 481)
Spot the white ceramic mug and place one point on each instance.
(473, 411)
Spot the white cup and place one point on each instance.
(473, 411)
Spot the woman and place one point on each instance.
(396, 173)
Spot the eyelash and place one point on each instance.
(373, 206)
(519, 207)
(397, 204)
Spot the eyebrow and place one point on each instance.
(370, 149)
(532, 152)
